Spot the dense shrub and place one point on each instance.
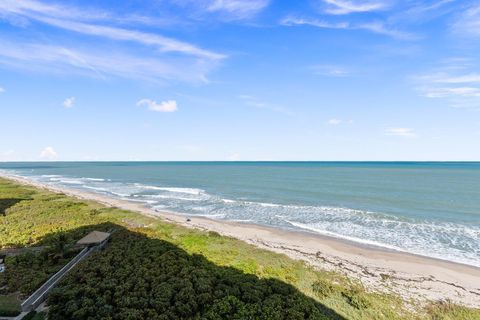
(322, 288)
(357, 298)
(6, 312)
(27, 271)
(141, 278)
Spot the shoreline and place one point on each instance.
(379, 269)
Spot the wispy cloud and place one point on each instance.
(227, 9)
(34, 57)
(164, 106)
(428, 6)
(73, 19)
(234, 157)
(69, 102)
(2, 90)
(154, 51)
(377, 27)
(257, 103)
(190, 148)
(339, 7)
(401, 132)
(48, 153)
(334, 122)
(238, 8)
(331, 70)
(468, 22)
(8, 155)
(445, 92)
(162, 43)
(454, 80)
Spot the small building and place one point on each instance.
(94, 238)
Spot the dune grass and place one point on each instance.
(34, 217)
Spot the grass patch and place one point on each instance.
(9, 305)
(446, 310)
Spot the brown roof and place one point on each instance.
(94, 237)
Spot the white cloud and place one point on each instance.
(401, 132)
(331, 70)
(238, 8)
(377, 27)
(48, 154)
(162, 43)
(190, 148)
(464, 78)
(156, 56)
(252, 101)
(164, 106)
(2, 90)
(444, 92)
(8, 155)
(339, 7)
(226, 9)
(293, 21)
(455, 80)
(334, 121)
(468, 23)
(34, 57)
(234, 157)
(69, 102)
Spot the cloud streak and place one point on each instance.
(468, 22)
(226, 9)
(401, 132)
(455, 81)
(149, 56)
(377, 27)
(33, 57)
(334, 122)
(164, 106)
(331, 71)
(252, 101)
(71, 19)
(341, 7)
(239, 8)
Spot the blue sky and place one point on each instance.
(239, 80)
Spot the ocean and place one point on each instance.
(425, 208)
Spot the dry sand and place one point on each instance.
(411, 276)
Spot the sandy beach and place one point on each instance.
(408, 275)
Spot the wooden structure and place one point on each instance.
(94, 238)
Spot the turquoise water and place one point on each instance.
(431, 209)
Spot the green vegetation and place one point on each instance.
(142, 278)
(33, 315)
(27, 271)
(165, 271)
(9, 305)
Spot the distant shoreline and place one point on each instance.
(408, 274)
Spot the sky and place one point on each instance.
(239, 80)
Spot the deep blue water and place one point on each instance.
(425, 208)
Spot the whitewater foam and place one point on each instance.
(458, 242)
